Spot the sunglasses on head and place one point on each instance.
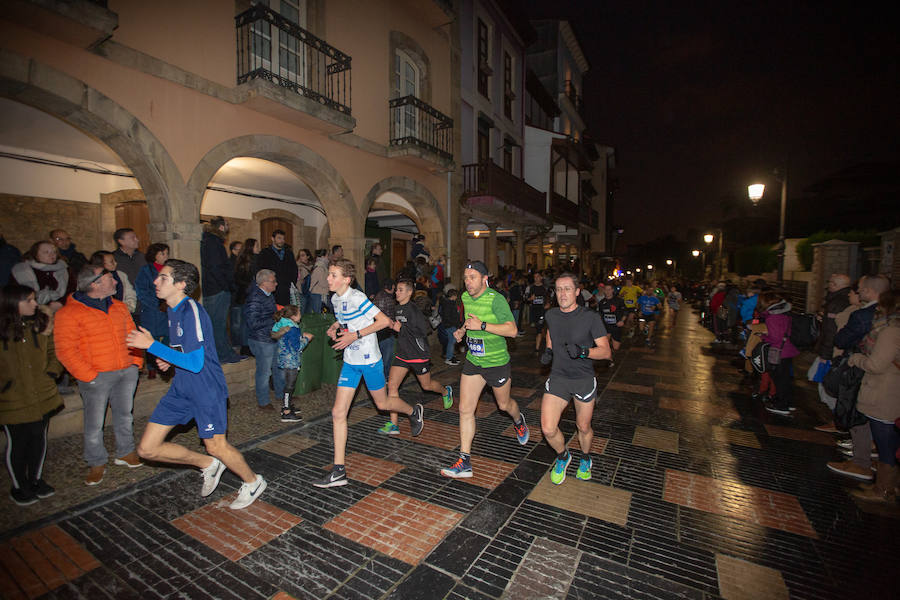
(99, 275)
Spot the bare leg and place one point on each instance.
(219, 447)
(342, 400)
(470, 387)
(507, 404)
(154, 447)
(430, 385)
(584, 411)
(395, 380)
(552, 408)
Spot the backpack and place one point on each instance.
(804, 330)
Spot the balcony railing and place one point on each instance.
(273, 48)
(489, 179)
(574, 97)
(416, 124)
(563, 210)
(587, 216)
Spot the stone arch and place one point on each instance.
(316, 172)
(399, 209)
(428, 216)
(172, 219)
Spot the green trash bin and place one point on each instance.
(318, 356)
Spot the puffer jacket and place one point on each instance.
(835, 302)
(879, 394)
(28, 369)
(24, 274)
(317, 282)
(259, 312)
(89, 340)
(778, 324)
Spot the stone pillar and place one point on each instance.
(833, 256)
(183, 239)
(491, 250)
(520, 249)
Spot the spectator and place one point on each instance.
(437, 279)
(291, 342)
(879, 399)
(124, 288)
(90, 335)
(43, 271)
(386, 302)
(245, 269)
(305, 264)
(382, 268)
(259, 311)
(371, 281)
(66, 248)
(778, 324)
(860, 322)
(837, 299)
(9, 255)
(152, 316)
(279, 258)
(217, 285)
(419, 249)
(28, 394)
(337, 252)
(451, 319)
(234, 250)
(127, 256)
(318, 285)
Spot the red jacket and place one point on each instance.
(89, 341)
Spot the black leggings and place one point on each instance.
(783, 376)
(26, 448)
(290, 382)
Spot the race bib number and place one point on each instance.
(609, 319)
(538, 300)
(476, 346)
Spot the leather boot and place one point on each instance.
(885, 486)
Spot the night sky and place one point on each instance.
(700, 99)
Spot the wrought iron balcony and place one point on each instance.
(415, 124)
(563, 210)
(587, 216)
(574, 97)
(488, 179)
(272, 48)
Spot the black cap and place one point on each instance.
(478, 266)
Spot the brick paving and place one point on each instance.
(696, 492)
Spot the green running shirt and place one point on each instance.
(487, 349)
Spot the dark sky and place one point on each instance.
(702, 98)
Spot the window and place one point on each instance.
(507, 157)
(484, 142)
(406, 83)
(484, 61)
(289, 62)
(508, 95)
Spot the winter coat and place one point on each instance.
(28, 369)
(218, 276)
(259, 311)
(318, 284)
(285, 271)
(243, 279)
(152, 318)
(879, 395)
(58, 272)
(9, 256)
(841, 321)
(129, 294)
(778, 325)
(835, 302)
(131, 264)
(90, 341)
(858, 325)
(450, 313)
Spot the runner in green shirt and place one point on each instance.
(488, 321)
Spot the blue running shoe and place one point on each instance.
(558, 474)
(461, 469)
(521, 430)
(584, 469)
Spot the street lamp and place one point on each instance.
(695, 253)
(649, 267)
(708, 238)
(755, 192)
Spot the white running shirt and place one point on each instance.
(356, 311)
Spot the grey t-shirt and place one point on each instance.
(577, 328)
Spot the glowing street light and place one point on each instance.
(649, 267)
(669, 262)
(695, 253)
(637, 270)
(708, 238)
(756, 192)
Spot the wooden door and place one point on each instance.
(136, 216)
(267, 226)
(398, 256)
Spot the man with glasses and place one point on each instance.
(575, 337)
(66, 248)
(90, 333)
(488, 321)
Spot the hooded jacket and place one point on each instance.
(218, 276)
(879, 394)
(778, 324)
(24, 274)
(835, 302)
(28, 368)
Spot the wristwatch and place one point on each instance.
(357, 333)
(483, 326)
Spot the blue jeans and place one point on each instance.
(217, 307)
(887, 440)
(315, 304)
(515, 314)
(264, 352)
(115, 388)
(451, 342)
(387, 353)
(238, 329)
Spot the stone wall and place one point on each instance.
(26, 219)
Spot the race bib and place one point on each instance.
(538, 300)
(609, 319)
(476, 346)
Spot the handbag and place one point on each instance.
(294, 295)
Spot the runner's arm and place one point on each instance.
(601, 350)
(189, 361)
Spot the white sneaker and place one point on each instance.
(249, 492)
(211, 476)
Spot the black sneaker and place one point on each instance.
(333, 479)
(42, 489)
(290, 415)
(417, 420)
(774, 409)
(23, 496)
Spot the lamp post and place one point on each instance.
(755, 192)
(708, 238)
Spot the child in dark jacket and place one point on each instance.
(291, 343)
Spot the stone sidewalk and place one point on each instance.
(697, 492)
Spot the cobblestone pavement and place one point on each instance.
(697, 492)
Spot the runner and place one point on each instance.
(198, 391)
(538, 296)
(612, 309)
(649, 306)
(630, 294)
(674, 299)
(354, 332)
(488, 321)
(412, 352)
(575, 337)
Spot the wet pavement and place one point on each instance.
(697, 492)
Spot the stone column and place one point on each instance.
(520, 249)
(491, 250)
(833, 256)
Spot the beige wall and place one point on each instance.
(25, 220)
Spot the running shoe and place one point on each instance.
(417, 420)
(775, 409)
(211, 476)
(42, 489)
(451, 361)
(460, 469)
(521, 430)
(334, 478)
(248, 493)
(389, 429)
(448, 397)
(584, 469)
(24, 497)
(558, 474)
(290, 415)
